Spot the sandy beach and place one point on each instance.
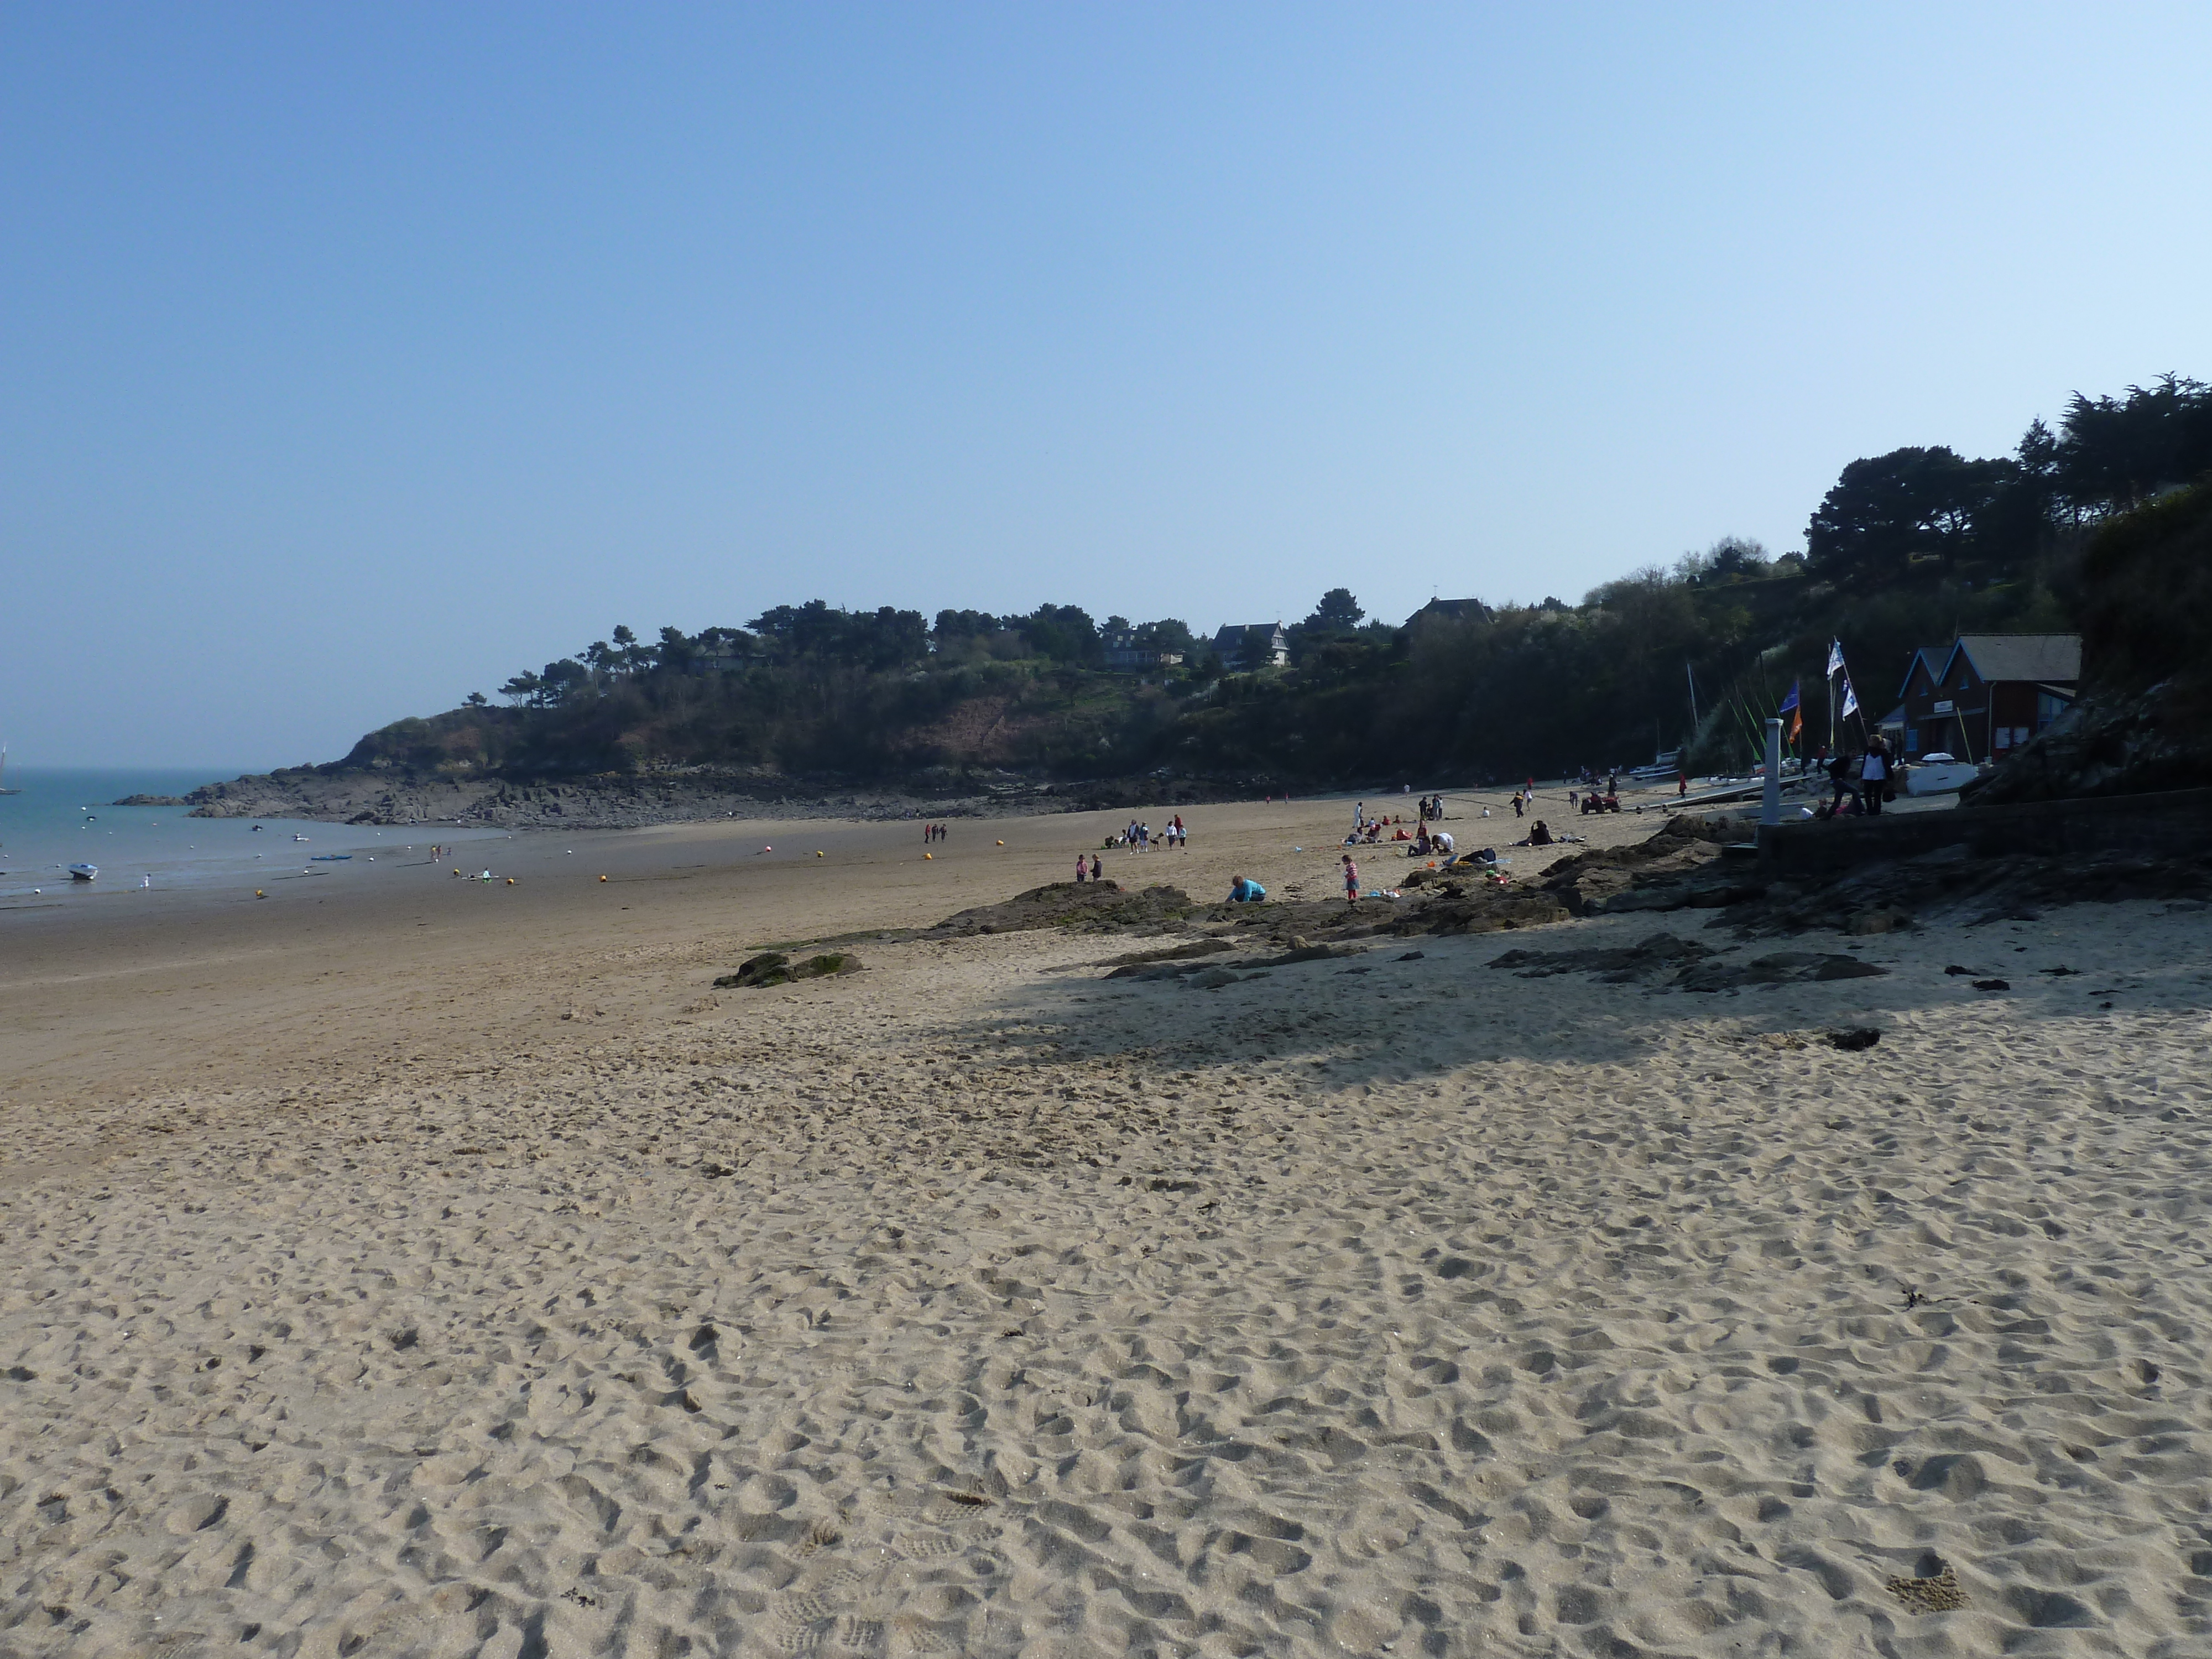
(414, 1265)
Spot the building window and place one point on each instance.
(2048, 708)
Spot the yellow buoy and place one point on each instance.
(510, 881)
(929, 855)
(818, 854)
(1002, 843)
(602, 878)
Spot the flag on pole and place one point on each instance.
(1850, 698)
(1835, 658)
(1796, 715)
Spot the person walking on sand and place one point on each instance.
(1097, 869)
(1351, 880)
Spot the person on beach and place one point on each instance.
(1519, 806)
(1082, 869)
(1874, 775)
(1096, 868)
(1245, 890)
(1839, 774)
(1681, 786)
(1351, 880)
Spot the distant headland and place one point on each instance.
(810, 710)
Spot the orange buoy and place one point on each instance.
(602, 878)
(929, 855)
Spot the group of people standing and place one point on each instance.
(1138, 837)
(933, 832)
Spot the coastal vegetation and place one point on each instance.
(1906, 549)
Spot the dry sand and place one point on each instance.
(409, 1268)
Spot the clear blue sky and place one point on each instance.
(352, 358)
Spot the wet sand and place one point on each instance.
(419, 1266)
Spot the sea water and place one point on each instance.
(67, 816)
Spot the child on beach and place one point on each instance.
(1351, 880)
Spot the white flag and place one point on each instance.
(1850, 698)
(1835, 658)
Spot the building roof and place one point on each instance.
(1458, 609)
(2055, 657)
(1935, 656)
(1236, 631)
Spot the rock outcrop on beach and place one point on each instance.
(1678, 866)
(2144, 723)
(777, 968)
(611, 802)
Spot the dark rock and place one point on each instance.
(1125, 966)
(775, 968)
(1095, 907)
(1852, 1038)
(1617, 965)
(1783, 968)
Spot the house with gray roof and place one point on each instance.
(1985, 694)
(1248, 645)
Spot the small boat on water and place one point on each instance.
(84, 871)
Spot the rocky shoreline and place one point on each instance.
(631, 802)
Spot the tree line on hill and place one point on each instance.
(1907, 548)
